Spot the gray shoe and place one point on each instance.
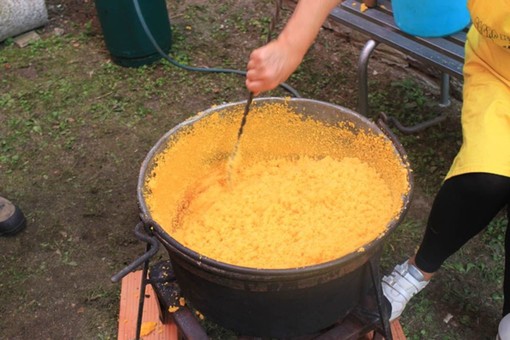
(504, 328)
(12, 220)
(404, 282)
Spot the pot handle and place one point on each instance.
(152, 248)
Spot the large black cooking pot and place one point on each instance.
(273, 302)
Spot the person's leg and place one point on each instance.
(506, 281)
(464, 205)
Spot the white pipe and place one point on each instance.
(19, 16)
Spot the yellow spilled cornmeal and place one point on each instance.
(299, 192)
(148, 327)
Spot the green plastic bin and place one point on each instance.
(125, 37)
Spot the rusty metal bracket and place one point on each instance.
(389, 120)
(152, 249)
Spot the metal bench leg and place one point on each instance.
(364, 57)
(445, 90)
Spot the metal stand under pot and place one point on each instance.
(370, 316)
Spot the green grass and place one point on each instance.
(74, 128)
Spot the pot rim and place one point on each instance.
(216, 265)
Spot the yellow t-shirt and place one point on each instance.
(486, 107)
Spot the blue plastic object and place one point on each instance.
(431, 18)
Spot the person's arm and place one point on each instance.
(273, 63)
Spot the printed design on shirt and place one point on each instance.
(492, 33)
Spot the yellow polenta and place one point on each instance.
(298, 192)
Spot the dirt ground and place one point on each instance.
(75, 128)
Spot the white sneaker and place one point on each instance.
(401, 285)
(504, 328)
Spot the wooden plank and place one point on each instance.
(129, 297)
(396, 332)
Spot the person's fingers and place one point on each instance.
(256, 87)
(252, 86)
(255, 61)
(258, 75)
(251, 64)
(253, 75)
(256, 69)
(258, 54)
(264, 68)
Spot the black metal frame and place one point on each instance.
(371, 315)
(446, 54)
(143, 233)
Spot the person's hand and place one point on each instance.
(271, 65)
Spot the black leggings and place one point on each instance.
(463, 207)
